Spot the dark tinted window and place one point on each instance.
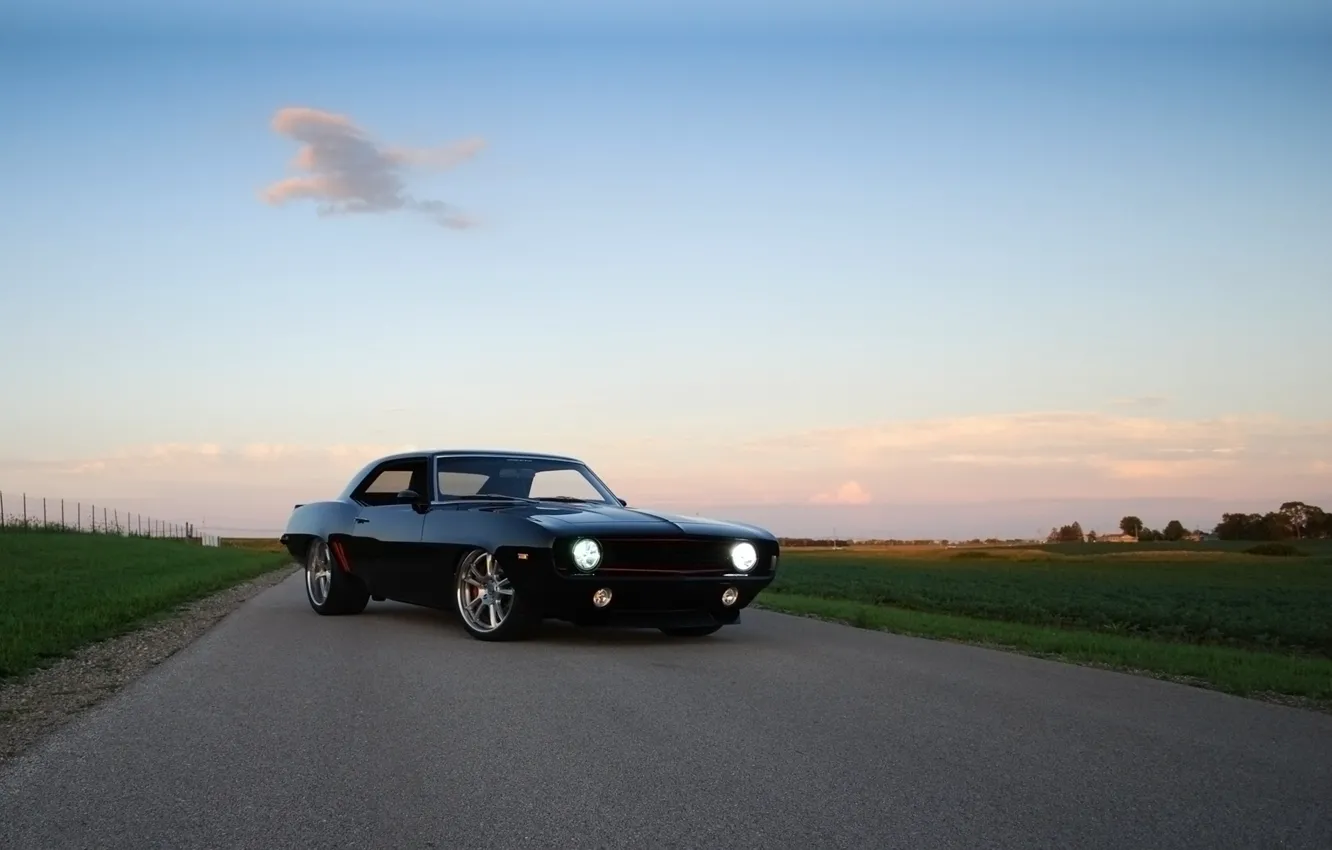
(524, 477)
(390, 481)
(382, 486)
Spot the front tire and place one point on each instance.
(488, 604)
(330, 590)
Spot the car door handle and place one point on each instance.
(362, 519)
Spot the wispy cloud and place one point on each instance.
(1038, 455)
(1050, 437)
(850, 493)
(205, 463)
(349, 173)
(246, 488)
(947, 460)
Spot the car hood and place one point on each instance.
(613, 519)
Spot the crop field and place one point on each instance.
(61, 590)
(1242, 622)
(254, 544)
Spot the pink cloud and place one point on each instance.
(850, 493)
(948, 460)
(1043, 438)
(349, 173)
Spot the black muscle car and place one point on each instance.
(508, 539)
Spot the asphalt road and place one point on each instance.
(283, 729)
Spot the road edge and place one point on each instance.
(1268, 697)
(41, 702)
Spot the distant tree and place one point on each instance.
(1070, 533)
(1318, 523)
(1174, 530)
(1297, 519)
(1131, 525)
(1296, 515)
(1238, 526)
(1091, 536)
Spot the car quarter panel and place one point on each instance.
(324, 519)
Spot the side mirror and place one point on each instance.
(414, 499)
(622, 502)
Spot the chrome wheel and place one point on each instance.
(318, 573)
(485, 597)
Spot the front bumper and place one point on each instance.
(650, 602)
(636, 601)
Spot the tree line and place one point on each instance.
(825, 542)
(1130, 526)
(1295, 520)
(839, 542)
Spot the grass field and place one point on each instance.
(59, 591)
(1211, 614)
(1206, 613)
(253, 544)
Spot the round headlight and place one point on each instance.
(586, 554)
(744, 557)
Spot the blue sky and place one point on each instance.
(692, 248)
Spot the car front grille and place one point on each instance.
(668, 556)
(658, 557)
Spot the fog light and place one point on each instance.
(602, 597)
(729, 595)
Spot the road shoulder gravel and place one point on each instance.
(41, 702)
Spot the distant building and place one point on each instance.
(1115, 538)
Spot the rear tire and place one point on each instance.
(692, 631)
(329, 589)
(488, 604)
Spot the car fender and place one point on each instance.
(326, 520)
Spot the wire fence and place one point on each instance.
(21, 512)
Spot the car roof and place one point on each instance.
(476, 452)
(359, 477)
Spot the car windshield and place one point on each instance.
(516, 476)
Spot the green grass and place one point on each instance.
(1312, 547)
(60, 591)
(253, 544)
(1242, 623)
(1236, 671)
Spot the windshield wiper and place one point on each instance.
(564, 499)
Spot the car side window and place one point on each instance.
(383, 486)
